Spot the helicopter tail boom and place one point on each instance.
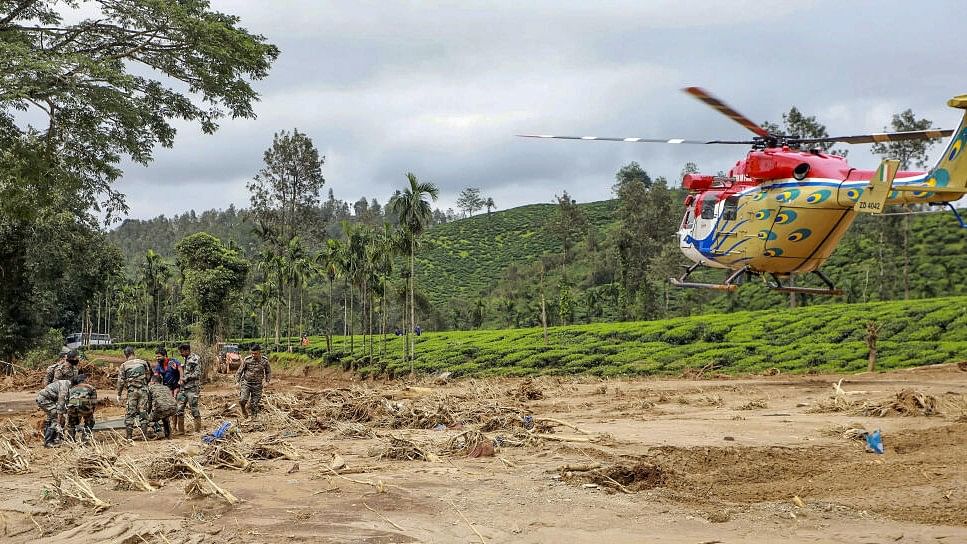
(947, 180)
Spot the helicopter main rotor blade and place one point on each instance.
(727, 110)
(878, 137)
(637, 140)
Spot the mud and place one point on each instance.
(690, 460)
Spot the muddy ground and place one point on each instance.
(751, 459)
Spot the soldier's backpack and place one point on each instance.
(82, 397)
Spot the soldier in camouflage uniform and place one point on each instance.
(133, 378)
(68, 369)
(161, 405)
(189, 390)
(53, 401)
(49, 374)
(81, 401)
(251, 372)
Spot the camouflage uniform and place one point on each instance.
(161, 406)
(65, 371)
(81, 401)
(250, 376)
(53, 401)
(49, 375)
(188, 394)
(133, 376)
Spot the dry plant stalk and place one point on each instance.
(192, 466)
(72, 488)
(273, 447)
(403, 449)
(14, 453)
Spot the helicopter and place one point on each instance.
(783, 209)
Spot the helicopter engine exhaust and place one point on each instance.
(801, 171)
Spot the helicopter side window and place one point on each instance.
(708, 206)
(730, 211)
(689, 219)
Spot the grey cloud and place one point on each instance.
(440, 89)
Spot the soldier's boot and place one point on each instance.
(128, 432)
(179, 426)
(244, 411)
(197, 422)
(167, 427)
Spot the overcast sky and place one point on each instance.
(440, 88)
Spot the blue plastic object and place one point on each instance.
(875, 442)
(528, 422)
(218, 433)
(440, 427)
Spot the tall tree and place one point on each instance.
(489, 204)
(414, 212)
(647, 221)
(213, 274)
(567, 224)
(470, 200)
(285, 192)
(78, 98)
(796, 123)
(910, 153)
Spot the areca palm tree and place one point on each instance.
(415, 214)
(328, 260)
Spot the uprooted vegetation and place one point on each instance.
(907, 402)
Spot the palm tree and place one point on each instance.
(294, 264)
(415, 214)
(328, 259)
(489, 204)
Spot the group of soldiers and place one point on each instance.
(154, 395)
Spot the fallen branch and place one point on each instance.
(384, 518)
(195, 468)
(559, 438)
(559, 422)
(472, 528)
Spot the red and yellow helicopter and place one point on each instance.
(784, 208)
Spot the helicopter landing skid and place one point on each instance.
(728, 285)
(830, 290)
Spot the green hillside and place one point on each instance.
(827, 338)
(464, 259)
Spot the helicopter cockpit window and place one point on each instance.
(708, 206)
(730, 211)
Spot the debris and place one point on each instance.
(293, 469)
(14, 453)
(472, 528)
(73, 489)
(752, 405)
(874, 442)
(556, 421)
(337, 462)
(624, 477)
(728, 438)
(798, 502)
(384, 518)
(401, 448)
(907, 403)
(527, 390)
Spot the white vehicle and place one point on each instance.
(77, 340)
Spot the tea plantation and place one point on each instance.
(825, 338)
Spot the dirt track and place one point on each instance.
(727, 456)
